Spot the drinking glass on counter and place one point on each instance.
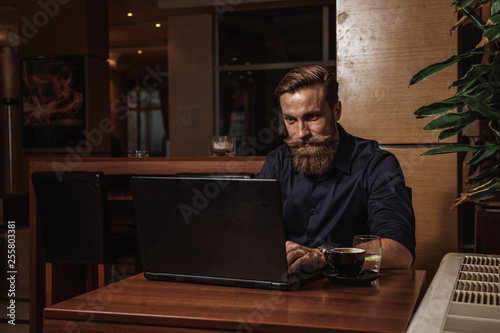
(222, 145)
(137, 153)
(373, 246)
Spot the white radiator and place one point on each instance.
(464, 296)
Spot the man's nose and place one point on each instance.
(303, 130)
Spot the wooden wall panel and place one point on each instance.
(433, 181)
(380, 46)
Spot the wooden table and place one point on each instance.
(118, 171)
(138, 305)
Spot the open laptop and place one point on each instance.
(212, 230)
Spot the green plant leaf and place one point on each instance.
(495, 132)
(492, 33)
(489, 35)
(467, 11)
(451, 120)
(451, 131)
(495, 7)
(486, 191)
(482, 154)
(463, 3)
(468, 88)
(483, 192)
(494, 181)
(475, 72)
(434, 68)
(494, 19)
(487, 194)
(483, 175)
(479, 106)
(439, 107)
(453, 148)
(485, 91)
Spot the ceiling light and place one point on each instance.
(139, 51)
(157, 25)
(130, 14)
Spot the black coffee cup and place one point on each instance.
(347, 261)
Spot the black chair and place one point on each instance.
(74, 215)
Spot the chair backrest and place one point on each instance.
(73, 209)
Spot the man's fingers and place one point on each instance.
(293, 255)
(290, 246)
(298, 255)
(294, 266)
(293, 251)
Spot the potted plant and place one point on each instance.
(477, 100)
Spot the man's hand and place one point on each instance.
(300, 256)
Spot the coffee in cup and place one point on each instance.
(347, 261)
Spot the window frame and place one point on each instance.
(218, 69)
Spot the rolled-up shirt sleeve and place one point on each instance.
(390, 210)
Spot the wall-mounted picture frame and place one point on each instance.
(53, 101)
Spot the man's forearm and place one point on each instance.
(395, 255)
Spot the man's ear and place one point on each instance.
(337, 111)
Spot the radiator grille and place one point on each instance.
(481, 260)
(480, 277)
(484, 287)
(475, 302)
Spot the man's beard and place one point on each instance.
(317, 159)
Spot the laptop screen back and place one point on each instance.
(210, 230)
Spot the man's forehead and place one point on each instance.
(292, 106)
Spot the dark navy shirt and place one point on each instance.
(363, 193)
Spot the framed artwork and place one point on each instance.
(53, 101)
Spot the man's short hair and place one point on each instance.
(302, 77)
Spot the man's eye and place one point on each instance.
(290, 120)
(312, 117)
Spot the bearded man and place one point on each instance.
(334, 185)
